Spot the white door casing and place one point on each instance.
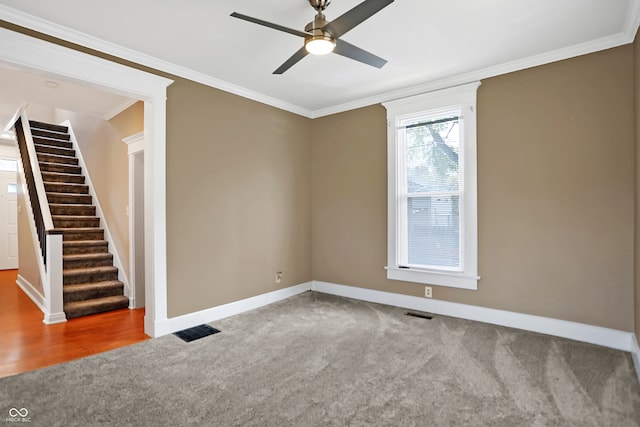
(135, 148)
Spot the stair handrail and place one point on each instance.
(50, 238)
(35, 176)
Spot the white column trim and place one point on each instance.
(155, 214)
(54, 297)
(135, 142)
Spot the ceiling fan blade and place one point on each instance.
(269, 24)
(354, 52)
(292, 61)
(355, 16)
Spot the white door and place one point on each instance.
(8, 221)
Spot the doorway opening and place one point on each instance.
(33, 55)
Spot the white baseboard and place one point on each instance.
(619, 340)
(635, 354)
(38, 300)
(50, 319)
(612, 338)
(31, 292)
(179, 323)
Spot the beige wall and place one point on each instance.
(107, 161)
(238, 198)
(555, 190)
(130, 121)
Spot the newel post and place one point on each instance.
(54, 310)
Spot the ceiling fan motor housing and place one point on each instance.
(316, 26)
(316, 33)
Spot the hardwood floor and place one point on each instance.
(27, 344)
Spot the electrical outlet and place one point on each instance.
(427, 292)
(278, 276)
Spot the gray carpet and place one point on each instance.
(316, 360)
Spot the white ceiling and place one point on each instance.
(18, 87)
(428, 43)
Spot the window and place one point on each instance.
(432, 188)
(8, 165)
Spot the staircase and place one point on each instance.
(90, 280)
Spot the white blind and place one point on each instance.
(430, 190)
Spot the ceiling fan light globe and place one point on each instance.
(319, 45)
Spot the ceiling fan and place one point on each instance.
(322, 37)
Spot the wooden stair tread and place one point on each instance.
(94, 306)
(84, 242)
(72, 209)
(59, 157)
(69, 188)
(52, 142)
(95, 258)
(79, 229)
(76, 287)
(61, 175)
(98, 255)
(91, 291)
(77, 247)
(86, 270)
(68, 205)
(79, 217)
(99, 299)
(70, 184)
(49, 133)
(76, 199)
(56, 193)
(44, 142)
(48, 126)
(77, 170)
(55, 150)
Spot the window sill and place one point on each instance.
(453, 280)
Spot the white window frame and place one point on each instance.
(463, 97)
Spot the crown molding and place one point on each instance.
(485, 73)
(59, 31)
(633, 21)
(627, 35)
